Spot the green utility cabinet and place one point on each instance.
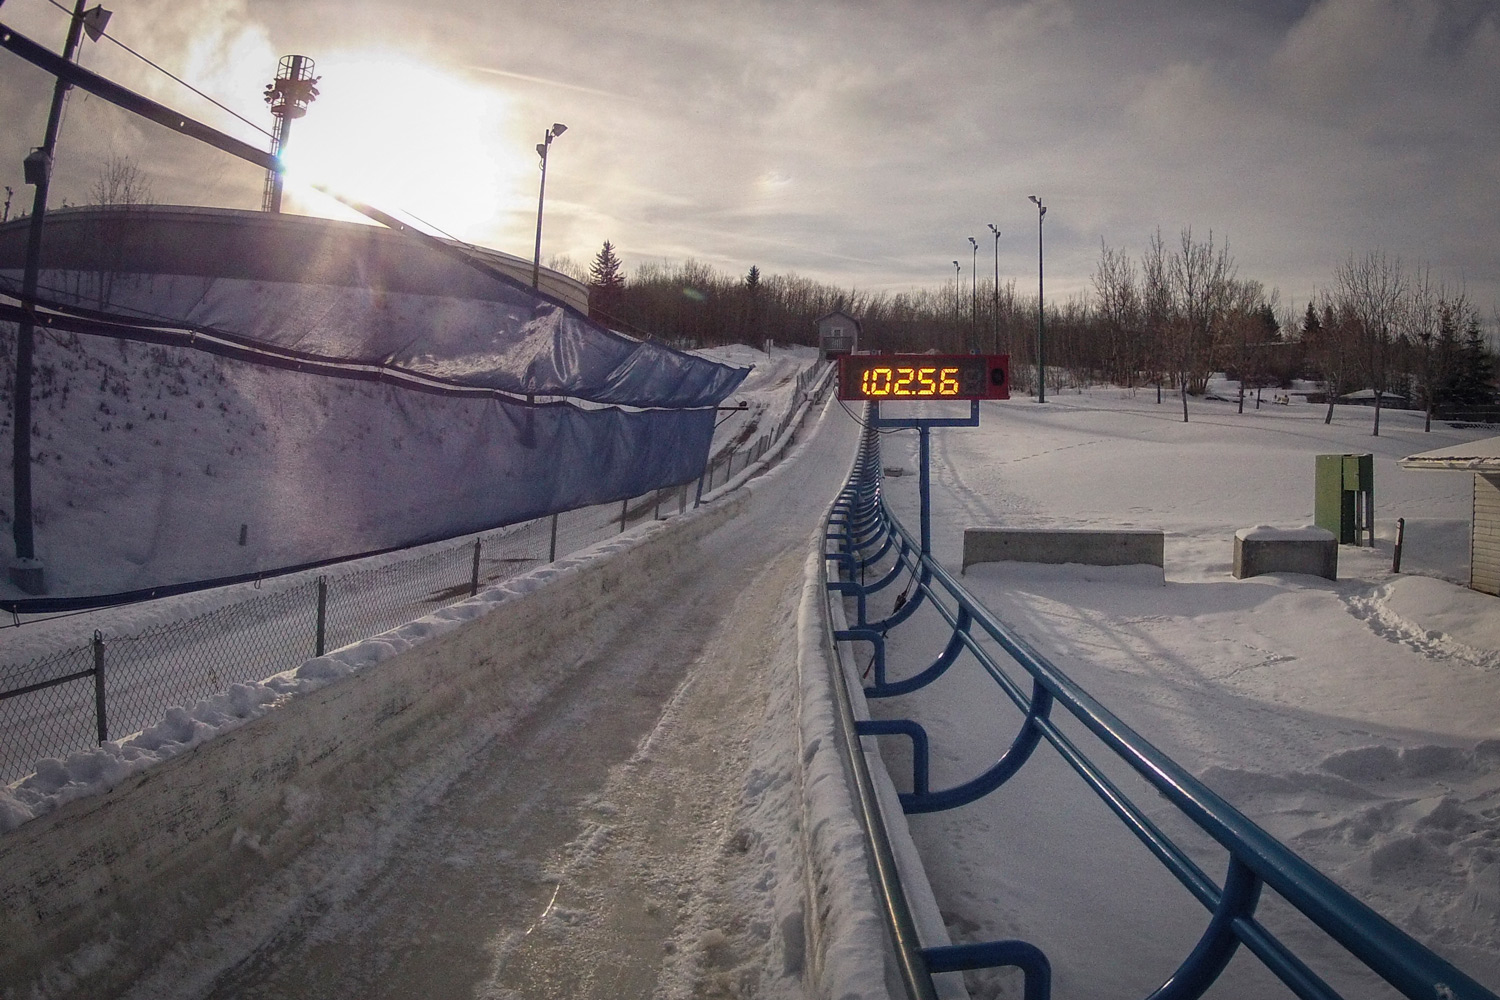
(1344, 500)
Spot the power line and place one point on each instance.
(169, 73)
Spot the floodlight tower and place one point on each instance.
(289, 95)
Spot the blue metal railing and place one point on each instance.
(860, 532)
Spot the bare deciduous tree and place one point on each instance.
(1369, 291)
(1200, 275)
(1120, 312)
(120, 182)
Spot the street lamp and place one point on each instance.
(995, 293)
(557, 129)
(26, 572)
(957, 272)
(1041, 329)
(973, 296)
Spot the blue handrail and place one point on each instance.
(1256, 858)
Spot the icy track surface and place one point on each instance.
(628, 839)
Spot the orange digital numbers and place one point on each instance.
(942, 377)
(913, 383)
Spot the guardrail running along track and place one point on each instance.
(861, 537)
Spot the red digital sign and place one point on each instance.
(924, 376)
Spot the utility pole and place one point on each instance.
(974, 297)
(26, 571)
(1041, 311)
(557, 129)
(995, 295)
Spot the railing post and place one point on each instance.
(100, 722)
(682, 500)
(322, 615)
(552, 546)
(474, 579)
(624, 509)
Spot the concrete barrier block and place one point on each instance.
(1262, 549)
(1087, 546)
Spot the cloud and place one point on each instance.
(862, 142)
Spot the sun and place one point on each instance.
(408, 138)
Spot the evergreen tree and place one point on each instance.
(607, 284)
(752, 280)
(1472, 379)
(1311, 325)
(605, 274)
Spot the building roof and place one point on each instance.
(1474, 456)
(837, 313)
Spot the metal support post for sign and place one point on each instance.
(322, 615)
(925, 487)
(552, 546)
(924, 478)
(99, 718)
(474, 582)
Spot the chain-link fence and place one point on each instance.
(113, 685)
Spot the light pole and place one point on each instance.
(995, 294)
(1041, 327)
(957, 273)
(557, 129)
(973, 296)
(26, 572)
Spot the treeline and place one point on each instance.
(1168, 317)
(691, 305)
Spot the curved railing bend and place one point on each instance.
(861, 523)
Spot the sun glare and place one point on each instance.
(407, 137)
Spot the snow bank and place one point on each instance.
(141, 840)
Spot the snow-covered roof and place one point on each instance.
(838, 313)
(1475, 456)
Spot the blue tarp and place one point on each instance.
(221, 376)
(514, 340)
(151, 458)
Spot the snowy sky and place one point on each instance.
(857, 143)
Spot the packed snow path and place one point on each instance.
(597, 850)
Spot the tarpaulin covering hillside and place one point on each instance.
(353, 294)
(221, 425)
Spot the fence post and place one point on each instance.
(474, 581)
(100, 722)
(682, 500)
(698, 499)
(624, 509)
(552, 546)
(322, 613)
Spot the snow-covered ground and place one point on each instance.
(765, 391)
(1352, 718)
(279, 635)
(1356, 720)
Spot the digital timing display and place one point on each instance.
(924, 376)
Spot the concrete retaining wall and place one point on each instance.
(128, 872)
(1314, 551)
(1089, 547)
